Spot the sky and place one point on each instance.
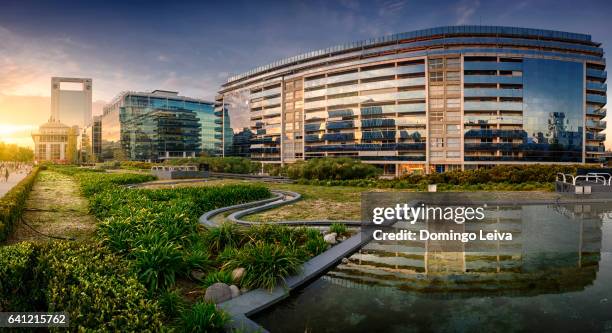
(193, 46)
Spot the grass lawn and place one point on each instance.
(55, 207)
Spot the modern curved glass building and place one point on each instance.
(431, 100)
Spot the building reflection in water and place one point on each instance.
(555, 248)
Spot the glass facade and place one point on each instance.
(157, 126)
(554, 110)
(430, 101)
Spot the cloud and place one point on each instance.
(465, 10)
(392, 7)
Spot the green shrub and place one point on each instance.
(265, 264)
(218, 276)
(12, 203)
(96, 288)
(203, 317)
(338, 228)
(157, 261)
(239, 165)
(225, 235)
(17, 290)
(332, 169)
(171, 302)
(136, 165)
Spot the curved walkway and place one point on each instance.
(280, 198)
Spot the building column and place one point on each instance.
(62, 151)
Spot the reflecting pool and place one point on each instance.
(555, 275)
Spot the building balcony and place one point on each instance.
(378, 123)
(492, 92)
(594, 149)
(597, 124)
(491, 158)
(314, 127)
(340, 124)
(492, 133)
(490, 65)
(492, 106)
(490, 146)
(596, 73)
(594, 98)
(596, 160)
(597, 86)
(596, 136)
(493, 79)
(593, 111)
(339, 136)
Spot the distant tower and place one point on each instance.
(71, 101)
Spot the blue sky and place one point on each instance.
(192, 47)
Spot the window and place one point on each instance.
(453, 116)
(436, 128)
(453, 154)
(453, 103)
(453, 89)
(437, 143)
(436, 90)
(452, 76)
(436, 154)
(452, 129)
(452, 142)
(436, 76)
(436, 63)
(453, 62)
(436, 103)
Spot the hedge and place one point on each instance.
(342, 168)
(239, 165)
(13, 202)
(502, 177)
(95, 287)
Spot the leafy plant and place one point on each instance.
(203, 317)
(225, 235)
(338, 228)
(265, 263)
(218, 276)
(171, 302)
(157, 261)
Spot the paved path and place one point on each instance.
(54, 208)
(14, 179)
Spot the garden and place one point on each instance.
(149, 263)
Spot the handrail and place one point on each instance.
(603, 174)
(587, 177)
(562, 174)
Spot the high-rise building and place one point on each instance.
(433, 100)
(71, 101)
(157, 126)
(92, 146)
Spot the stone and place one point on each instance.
(238, 274)
(330, 238)
(244, 290)
(345, 260)
(218, 292)
(198, 275)
(235, 291)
